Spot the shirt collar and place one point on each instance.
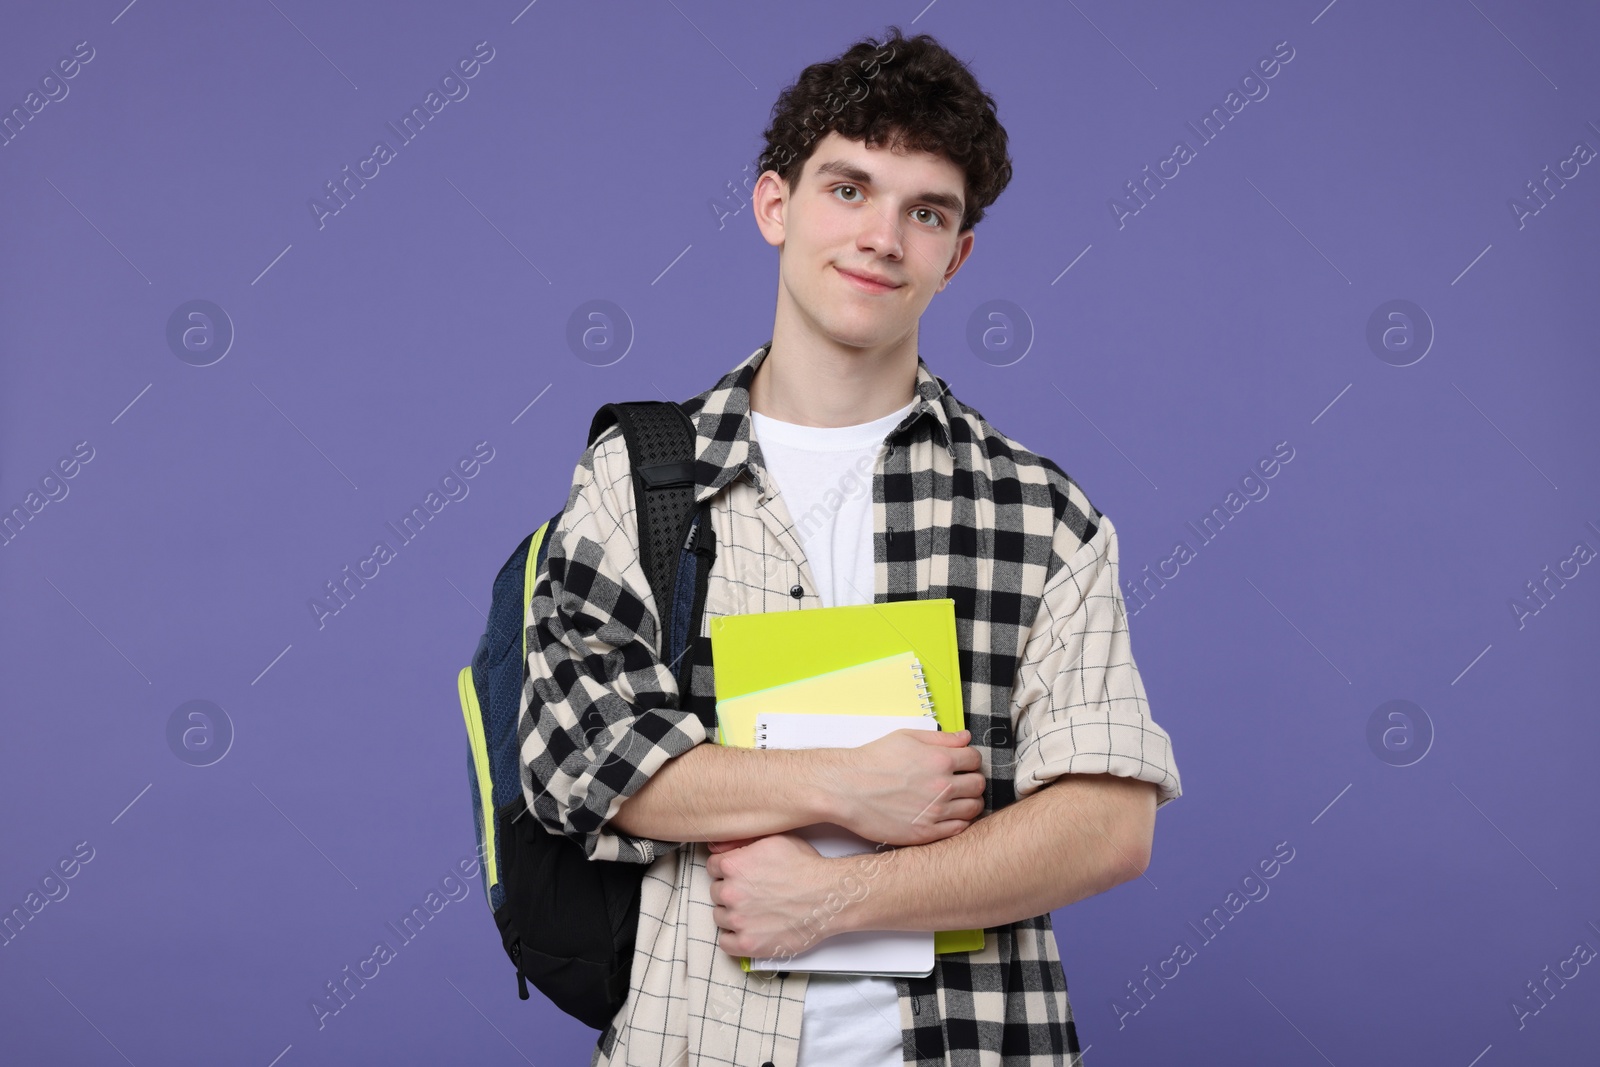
(722, 425)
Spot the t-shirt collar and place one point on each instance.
(722, 425)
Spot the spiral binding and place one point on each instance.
(761, 733)
(922, 688)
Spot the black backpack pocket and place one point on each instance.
(582, 913)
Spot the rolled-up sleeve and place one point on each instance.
(1079, 702)
(599, 709)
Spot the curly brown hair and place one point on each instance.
(908, 93)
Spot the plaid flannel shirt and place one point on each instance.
(1048, 680)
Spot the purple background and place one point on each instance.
(588, 162)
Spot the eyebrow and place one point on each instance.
(850, 171)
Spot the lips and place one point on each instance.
(867, 283)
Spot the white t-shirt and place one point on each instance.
(824, 475)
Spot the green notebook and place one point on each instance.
(764, 649)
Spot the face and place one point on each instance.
(860, 211)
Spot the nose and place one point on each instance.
(880, 233)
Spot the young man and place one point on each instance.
(840, 470)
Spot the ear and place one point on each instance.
(770, 205)
(964, 244)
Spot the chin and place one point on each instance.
(862, 332)
(850, 322)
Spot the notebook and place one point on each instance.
(893, 685)
(889, 953)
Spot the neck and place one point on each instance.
(833, 385)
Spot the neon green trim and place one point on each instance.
(480, 763)
(474, 719)
(530, 579)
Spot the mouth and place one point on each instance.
(866, 284)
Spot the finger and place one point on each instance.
(967, 784)
(728, 846)
(942, 737)
(963, 810)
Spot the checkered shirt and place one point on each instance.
(1048, 681)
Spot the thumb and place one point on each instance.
(729, 846)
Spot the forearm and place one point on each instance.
(720, 793)
(1079, 836)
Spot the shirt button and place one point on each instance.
(796, 592)
(767, 1064)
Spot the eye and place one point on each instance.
(836, 188)
(937, 219)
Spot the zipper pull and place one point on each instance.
(516, 958)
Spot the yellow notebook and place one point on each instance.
(769, 649)
(893, 685)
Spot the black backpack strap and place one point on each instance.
(689, 648)
(661, 449)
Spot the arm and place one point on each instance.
(908, 788)
(1083, 835)
(717, 793)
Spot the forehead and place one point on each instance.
(838, 157)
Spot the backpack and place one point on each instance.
(567, 922)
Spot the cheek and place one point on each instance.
(829, 231)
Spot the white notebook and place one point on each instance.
(890, 953)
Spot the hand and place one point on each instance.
(765, 894)
(910, 787)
